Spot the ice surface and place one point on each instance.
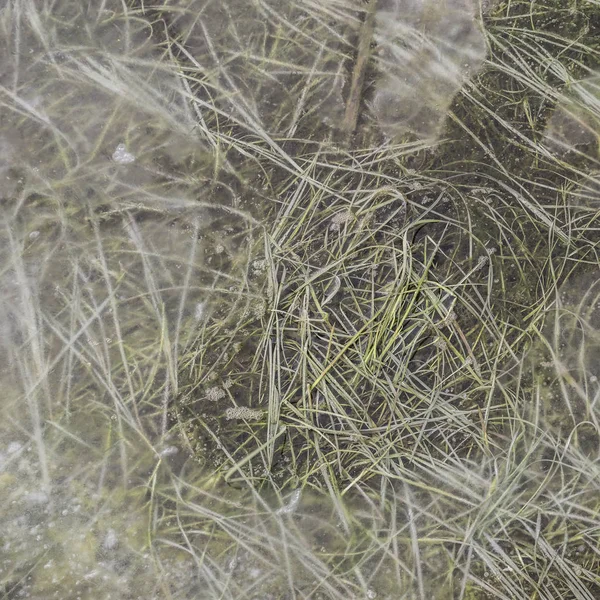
(426, 51)
(575, 121)
(14, 447)
(105, 279)
(276, 64)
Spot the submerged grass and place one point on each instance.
(246, 355)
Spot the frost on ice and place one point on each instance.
(110, 540)
(199, 311)
(121, 156)
(292, 505)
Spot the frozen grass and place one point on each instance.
(250, 351)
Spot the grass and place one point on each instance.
(258, 341)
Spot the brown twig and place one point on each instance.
(360, 67)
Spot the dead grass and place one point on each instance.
(243, 358)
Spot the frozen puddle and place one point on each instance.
(426, 51)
